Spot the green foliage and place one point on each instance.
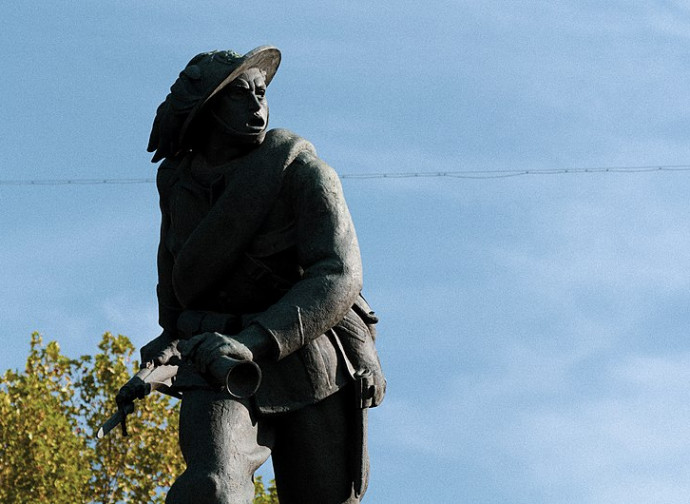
(49, 415)
(132, 469)
(263, 495)
(41, 451)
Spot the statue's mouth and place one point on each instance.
(250, 130)
(254, 126)
(256, 122)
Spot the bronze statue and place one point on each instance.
(258, 261)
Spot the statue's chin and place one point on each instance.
(247, 138)
(249, 134)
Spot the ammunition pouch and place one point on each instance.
(355, 337)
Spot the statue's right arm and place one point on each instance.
(161, 349)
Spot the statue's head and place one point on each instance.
(240, 109)
(221, 87)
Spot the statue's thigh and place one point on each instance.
(312, 453)
(219, 434)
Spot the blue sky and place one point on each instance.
(533, 329)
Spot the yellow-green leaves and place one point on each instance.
(49, 414)
(43, 456)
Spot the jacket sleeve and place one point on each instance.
(329, 256)
(168, 307)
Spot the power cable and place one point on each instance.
(488, 174)
(54, 182)
(466, 174)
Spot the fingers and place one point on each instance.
(205, 348)
(213, 343)
(169, 355)
(188, 347)
(371, 388)
(159, 358)
(129, 392)
(183, 347)
(123, 397)
(149, 352)
(158, 351)
(379, 393)
(235, 350)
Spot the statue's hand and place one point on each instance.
(204, 348)
(160, 350)
(130, 391)
(372, 388)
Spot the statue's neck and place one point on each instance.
(212, 160)
(220, 153)
(220, 148)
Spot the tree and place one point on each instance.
(50, 413)
(42, 453)
(263, 495)
(132, 469)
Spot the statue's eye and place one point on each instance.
(237, 91)
(260, 92)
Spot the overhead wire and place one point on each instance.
(53, 182)
(464, 174)
(488, 174)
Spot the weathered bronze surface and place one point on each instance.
(258, 261)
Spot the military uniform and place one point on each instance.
(266, 243)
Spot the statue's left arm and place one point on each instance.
(329, 255)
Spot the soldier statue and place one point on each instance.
(258, 261)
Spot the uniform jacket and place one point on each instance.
(269, 240)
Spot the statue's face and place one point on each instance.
(241, 109)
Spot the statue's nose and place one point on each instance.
(255, 102)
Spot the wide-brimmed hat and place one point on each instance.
(205, 75)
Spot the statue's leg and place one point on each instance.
(222, 445)
(313, 453)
